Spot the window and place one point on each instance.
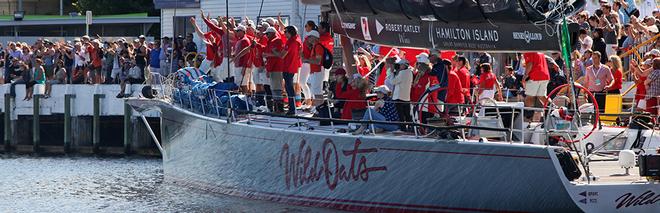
(182, 26)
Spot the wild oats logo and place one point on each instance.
(527, 36)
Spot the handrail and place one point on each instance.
(636, 47)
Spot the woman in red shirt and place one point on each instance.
(463, 71)
(641, 74)
(353, 92)
(421, 82)
(292, 62)
(617, 74)
(488, 83)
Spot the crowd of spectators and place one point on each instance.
(91, 60)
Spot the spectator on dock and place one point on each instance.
(38, 78)
(598, 76)
(653, 87)
(58, 78)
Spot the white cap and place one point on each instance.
(314, 33)
(648, 62)
(250, 23)
(270, 30)
(264, 25)
(382, 89)
(215, 21)
(423, 58)
(271, 21)
(402, 62)
(141, 36)
(654, 52)
(240, 28)
(85, 37)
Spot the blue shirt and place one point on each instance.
(439, 72)
(154, 58)
(389, 110)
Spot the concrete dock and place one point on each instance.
(76, 119)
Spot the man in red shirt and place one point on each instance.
(96, 54)
(214, 54)
(260, 76)
(454, 88)
(291, 63)
(536, 77)
(314, 59)
(463, 71)
(241, 59)
(274, 68)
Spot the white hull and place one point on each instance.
(376, 173)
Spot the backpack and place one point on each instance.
(327, 59)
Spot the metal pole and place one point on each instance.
(36, 137)
(96, 122)
(61, 7)
(67, 121)
(371, 125)
(127, 128)
(226, 39)
(332, 124)
(8, 132)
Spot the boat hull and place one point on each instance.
(375, 174)
(357, 173)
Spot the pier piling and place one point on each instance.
(127, 128)
(67, 122)
(36, 136)
(96, 123)
(7, 116)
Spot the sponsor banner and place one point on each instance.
(502, 37)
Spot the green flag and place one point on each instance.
(566, 44)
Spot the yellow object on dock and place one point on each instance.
(613, 105)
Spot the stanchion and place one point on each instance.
(7, 122)
(36, 136)
(127, 128)
(67, 121)
(96, 123)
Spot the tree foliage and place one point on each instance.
(109, 7)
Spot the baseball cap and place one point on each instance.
(314, 33)
(654, 52)
(85, 37)
(403, 62)
(271, 21)
(141, 37)
(270, 30)
(240, 28)
(423, 58)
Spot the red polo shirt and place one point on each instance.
(243, 61)
(487, 81)
(257, 51)
(273, 62)
(327, 41)
(454, 94)
(539, 70)
(292, 59)
(307, 48)
(464, 75)
(317, 52)
(618, 80)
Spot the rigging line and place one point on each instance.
(260, 9)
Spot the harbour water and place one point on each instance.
(108, 184)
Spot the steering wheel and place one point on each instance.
(593, 100)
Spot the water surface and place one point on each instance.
(109, 184)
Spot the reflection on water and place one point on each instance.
(93, 184)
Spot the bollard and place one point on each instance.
(96, 123)
(36, 136)
(7, 122)
(127, 128)
(67, 122)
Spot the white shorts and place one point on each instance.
(205, 66)
(486, 94)
(316, 83)
(243, 79)
(536, 88)
(260, 76)
(218, 74)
